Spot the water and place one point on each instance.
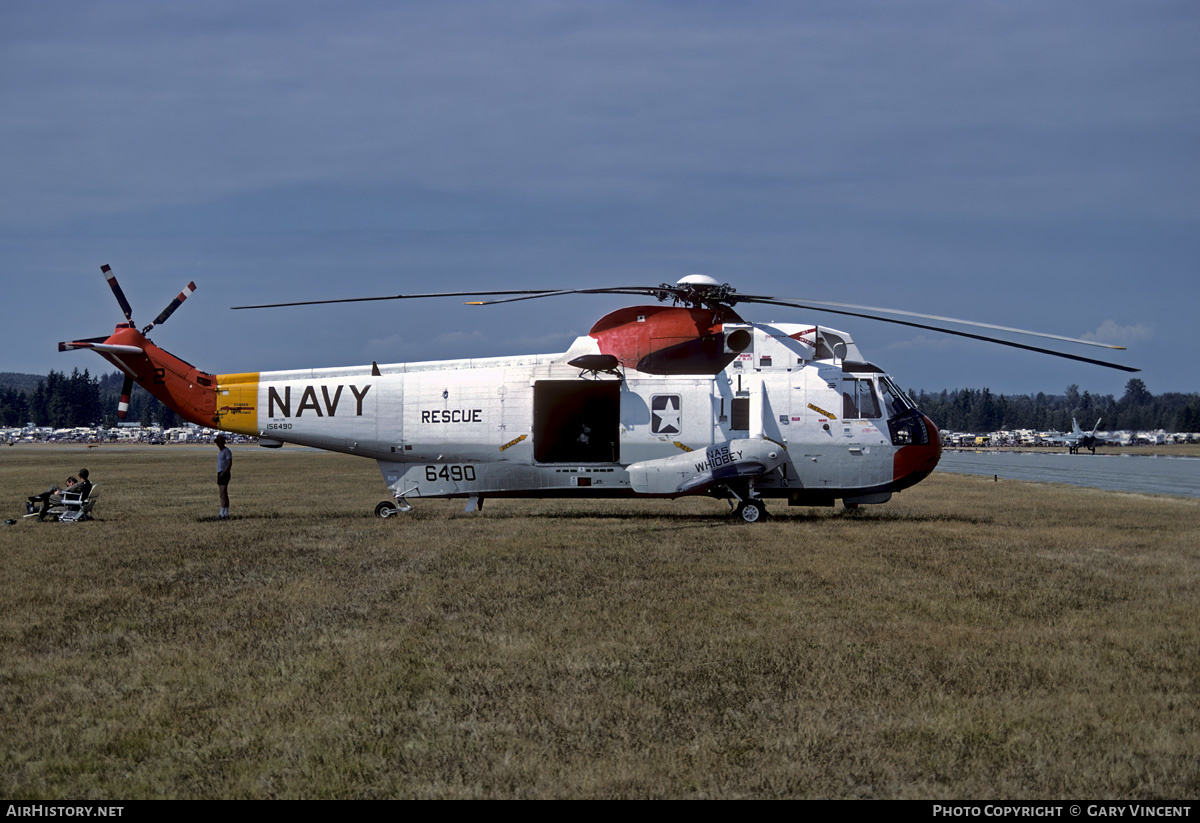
(1147, 474)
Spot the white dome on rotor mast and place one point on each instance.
(697, 280)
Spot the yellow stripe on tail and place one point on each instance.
(237, 402)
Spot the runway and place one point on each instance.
(1147, 474)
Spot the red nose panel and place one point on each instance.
(912, 464)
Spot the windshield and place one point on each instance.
(894, 400)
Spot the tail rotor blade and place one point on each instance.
(171, 307)
(123, 403)
(116, 290)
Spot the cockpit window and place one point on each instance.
(894, 400)
(859, 399)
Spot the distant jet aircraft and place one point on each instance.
(1079, 439)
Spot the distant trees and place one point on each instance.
(58, 401)
(980, 411)
(14, 407)
(1188, 419)
(62, 401)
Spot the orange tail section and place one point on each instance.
(218, 401)
(226, 401)
(180, 386)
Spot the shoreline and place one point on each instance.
(1164, 450)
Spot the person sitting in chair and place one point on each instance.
(42, 499)
(84, 487)
(53, 496)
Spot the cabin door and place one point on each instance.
(576, 421)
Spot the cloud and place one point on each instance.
(1110, 332)
(466, 343)
(924, 342)
(146, 107)
(385, 342)
(544, 342)
(456, 338)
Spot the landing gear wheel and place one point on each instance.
(386, 509)
(751, 511)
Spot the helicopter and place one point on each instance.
(678, 398)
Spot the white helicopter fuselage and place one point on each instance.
(796, 413)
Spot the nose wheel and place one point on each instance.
(750, 507)
(390, 507)
(751, 510)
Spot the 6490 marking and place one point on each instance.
(454, 473)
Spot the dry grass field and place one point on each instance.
(970, 639)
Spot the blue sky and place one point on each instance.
(1030, 164)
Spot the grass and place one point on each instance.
(970, 639)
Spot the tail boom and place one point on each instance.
(180, 386)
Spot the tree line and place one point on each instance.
(976, 410)
(64, 401)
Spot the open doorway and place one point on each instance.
(576, 421)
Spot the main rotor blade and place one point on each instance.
(117, 292)
(746, 298)
(986, 339)
(725, 296)
(659, 292)
(171, 307)
(392, 297)
(647, 291)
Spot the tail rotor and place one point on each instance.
(116, 350)
(119, 293)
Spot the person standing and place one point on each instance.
(224, 465)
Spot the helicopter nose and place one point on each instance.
(914, 462)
